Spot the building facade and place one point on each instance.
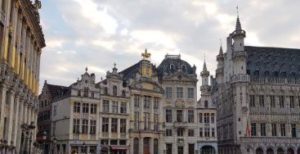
(21, 40)
(257, 94)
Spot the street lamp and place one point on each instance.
(31, 127)
(44, 136)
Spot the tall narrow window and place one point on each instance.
(156, 103)
(146, 121)
(115, 107)
(179, 92)
(206, 132)
(76, 126)
(281, 101)
(123, 125)
(114, 125)
(86, 92)
(190, 92)
(253, 129)
(93, 108)
(272, 101)
(206, 117)
(262, 129)
(76, 107)
(92, 126)
(85, 108)
(179, 116)
(274, 129)
(156, 122)
(200, 118)
(115, 90)
(136, 120)
(136, 100)
(293, 129)
(168, 92)
(212, 118)
(292, 102)
(261, 101)
(105, 123)
(190, 116)
(213, 132)
(168, 115)
(252, 101)
(206, 104)
(282, 129)
(105, 106)
(147, 102)
(201, 132)
(84, 126)
(123, 107)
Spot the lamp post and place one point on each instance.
(44, 139)
(54, 140)
(31, 127)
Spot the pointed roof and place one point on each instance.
(221, 50)
(238, 25)
(204, 72)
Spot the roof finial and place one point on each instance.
(86, 69)
(146, 55)
(237, 10)
(238, 23)
(115, 68)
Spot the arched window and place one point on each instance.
(283, 74)
(136, 146)
(115, 90)
(276, 74)
(290, 151)
(267, 74)
(259, 151)
(280, 151)
(270, 151)
(206, 104)
(256, 73)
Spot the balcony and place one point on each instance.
(180, 124)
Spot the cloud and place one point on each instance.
(98, 33)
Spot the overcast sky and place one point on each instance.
(97, 33)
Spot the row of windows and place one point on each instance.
(113, 125)
(207, 118)
(180, 149)
(86, 93)
(114, 91)
(272, 99)
(114, 107)
(147, 101)
(203, 132)
(147, 121)
(83, 126)
(84, 108)
(179, 92)
(276, 129)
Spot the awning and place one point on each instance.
(119, 147)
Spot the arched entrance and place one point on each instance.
(136, 146)
(280, 151)
(259, 151)
(290, 151)
(207, 149)
(270, 151)
(146, 145)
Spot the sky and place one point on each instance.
(98, 33)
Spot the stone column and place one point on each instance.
(141, 145)
(16, 126)
(20, 122)
(2, 113)
(10, 117)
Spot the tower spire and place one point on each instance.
(238, 25)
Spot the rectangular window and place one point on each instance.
(206, 118)
(76, 107)
(274, 130)
(147, 102)
(156, 122)
(272, 101)
(261, 101)
(191, 149)
(292, 102)
(93, 108)
(200, 118)
(201, 132)
(168, 92)
(136, 120)
(114, 125)
(76, 126)
(212, 118)
(168, 132)
(115, 107)
(281, 101)
(105, 106)
(179, 92)
(180, 131)
(146, 121)
(169, 148)
(123, 107)
(168, 115)
(84, 126)
(252, 101)
(262, 129)
(123, 125)
(105, 123)
(190, 116)
(156, 103)
(206, 132)
(213, 132)
(191, 132)
(85, 108)
(282, 129)
(253, 129)
(92, 126)
(179, 116)
(136, 101)
(293, 129)
(190, 92)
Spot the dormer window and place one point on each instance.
(78, 93)
(183, 67)
(172, 68)
(115, 90)
(206, 104)
(123, 93)
(105, 91)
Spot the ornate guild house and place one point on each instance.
(21, 43)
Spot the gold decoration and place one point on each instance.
(146, 55)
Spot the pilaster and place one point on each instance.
(2, 113)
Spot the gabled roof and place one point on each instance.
(57, 91)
